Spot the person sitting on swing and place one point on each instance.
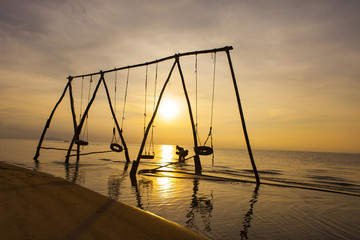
(182, 153)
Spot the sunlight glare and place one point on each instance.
(167, 153)
(168, 109)
(164, 181)
(165, 186)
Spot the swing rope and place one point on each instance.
(213, 93)
(86, 132)
(87, 116)
(152, 126)
(212, 106)
(146, 81)
(79, 141)
(147, 154)
(156, 75)
(115, 92)
(196, 99)
(203, 149)
(81, 97)
(114, 145)
(125, 96)
(114, 139)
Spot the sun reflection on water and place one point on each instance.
(167, 155)
(165, 186)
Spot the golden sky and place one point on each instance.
(296, 64)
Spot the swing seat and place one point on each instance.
(147, 156)
(203, 150)
(81, 142)
(116, 147)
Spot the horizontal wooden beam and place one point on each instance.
(88, 153)
(53, 148)
(223, 49)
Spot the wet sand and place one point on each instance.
(36, 205)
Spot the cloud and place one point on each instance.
(292, 58)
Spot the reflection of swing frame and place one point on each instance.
(77, 128)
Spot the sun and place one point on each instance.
(168, 109)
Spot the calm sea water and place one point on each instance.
(305, 195)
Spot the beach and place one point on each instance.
(36, 205)
(318, 199)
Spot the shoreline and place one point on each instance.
(36, 205)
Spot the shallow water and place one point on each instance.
(223, 207)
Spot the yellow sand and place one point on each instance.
(35, 205)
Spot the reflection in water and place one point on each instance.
(135, 186)
(137, 193)
(114, 183)
(144, 184)
(202, 206)
(36, 165)
(329, 218)
(248, 215)
(164, 181)
(165, 184)
(72, 172)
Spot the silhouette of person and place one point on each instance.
(182, 153)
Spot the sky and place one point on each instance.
(296, 65)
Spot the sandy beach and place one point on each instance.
(36, 205)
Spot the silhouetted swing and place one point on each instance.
(148, 154)
(114, 145)
(203, 149)
(79, 141)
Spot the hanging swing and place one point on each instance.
(114, 145)
(203, 149)
(78, 141)
(148, 154)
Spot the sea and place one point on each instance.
(302, 195)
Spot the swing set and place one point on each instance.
(119, 145)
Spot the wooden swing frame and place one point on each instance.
(77, 128)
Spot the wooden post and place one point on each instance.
(136, 163)
(242, 118)
(72, 103)
(79, 127)
(74, 117)
(116, 122)
(197, 162)
(47, 125)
